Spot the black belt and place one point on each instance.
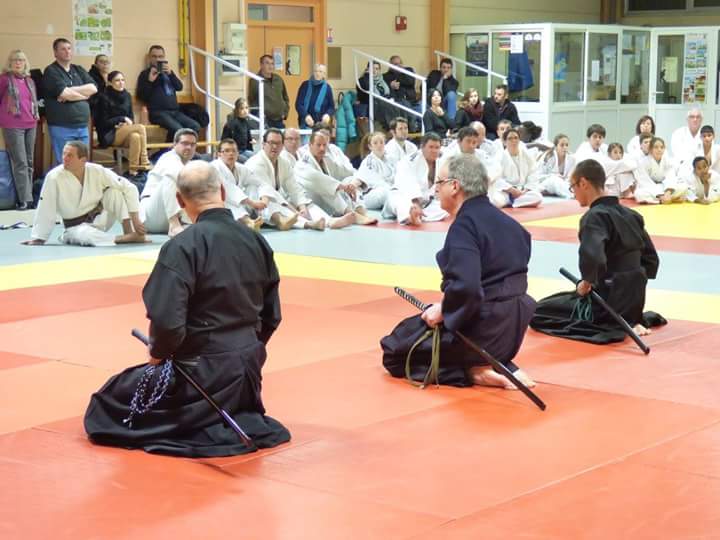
(85, 218)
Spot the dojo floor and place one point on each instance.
(629, 446)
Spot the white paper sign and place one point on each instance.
(516, 43)
(595, 71)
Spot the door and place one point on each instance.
(680, 76)
(293, 50)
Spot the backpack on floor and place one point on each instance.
(8, 196)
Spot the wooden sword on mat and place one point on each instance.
(490, 359)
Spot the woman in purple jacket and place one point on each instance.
(18, 120)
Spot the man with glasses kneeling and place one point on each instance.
(484, 265)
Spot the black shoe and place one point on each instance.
(22, 206)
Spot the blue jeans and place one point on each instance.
(59, 135)
(449, 103)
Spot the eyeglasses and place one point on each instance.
(441, 181)
(573, 185)
(274, 143)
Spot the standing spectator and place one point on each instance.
(239, 128)
(115, 124)
(471, 109)
(315, 101)
(499, 108)
(99, 72)
(18, 120)
(444, 81)
(277, 102)
(67, 88)
(157, 87)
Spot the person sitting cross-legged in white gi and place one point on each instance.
(325, 183)
(277, 173)
(90, 199)
(159, 208)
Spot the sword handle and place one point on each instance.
(402, 293)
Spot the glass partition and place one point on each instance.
(517, 55)
(472, 48)
(671, 62)
(602, 67)
(568, 69)
(635, 67)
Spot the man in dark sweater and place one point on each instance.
(67, 88)
(499, 108)
(444, 80)
(156, 87)
(277, 102)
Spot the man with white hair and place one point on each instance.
(326, 184)
(484, 264)
(90, 199)
(159, 208)
(686, 143)
(213, 303)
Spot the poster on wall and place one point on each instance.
(695, 73)
(92, 27)
(476, 52)
(292, 52)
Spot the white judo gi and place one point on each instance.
(516, 173)
(696, 189)
(240, 186)
(157, 200)
(103, 196)
(684, 147)
(657, 177)
(412, 184)
(552, 178)
(395, 152)
(322, 185)
(378, 175)
(281, 187)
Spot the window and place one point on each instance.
(272, 12)
(602, 67)
(635, 67)
(568, 69)
(670, 68)
(517, 55)
(655, 5)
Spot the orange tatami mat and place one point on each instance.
(627, 448)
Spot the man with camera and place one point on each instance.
(156, 87)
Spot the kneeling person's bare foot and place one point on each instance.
(284, 223)
(524, 378)
(345, 221)
(640, 330)
(486, 376)
(131, 238)
(317, 225)
(364, 219)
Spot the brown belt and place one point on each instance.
(85, 218)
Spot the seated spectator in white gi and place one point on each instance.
(515, 186)
(376, 172)
(643, 147)
(333, 151)
(90, 199)
(623, 182)
(710, 151)
(466, 142)
(412, 199)
(241, 187)
(554, 168)
(159, 208)
(645, 126)
(658, 182)
(594, 147)
(704, 186)
(686, 143)
(399, 146)
(328, 185)
(502, 127)
(531, 136)
(277, 173)
(292, 145)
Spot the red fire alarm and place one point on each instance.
(400, 23)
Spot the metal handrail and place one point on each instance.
(209, 95)
(440, 55)
(373, 95)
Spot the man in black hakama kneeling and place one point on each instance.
(212, 300)
(616, 259)
(484, 265)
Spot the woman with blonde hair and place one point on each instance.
(18, 120)
(376, 172)
(470, 109)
